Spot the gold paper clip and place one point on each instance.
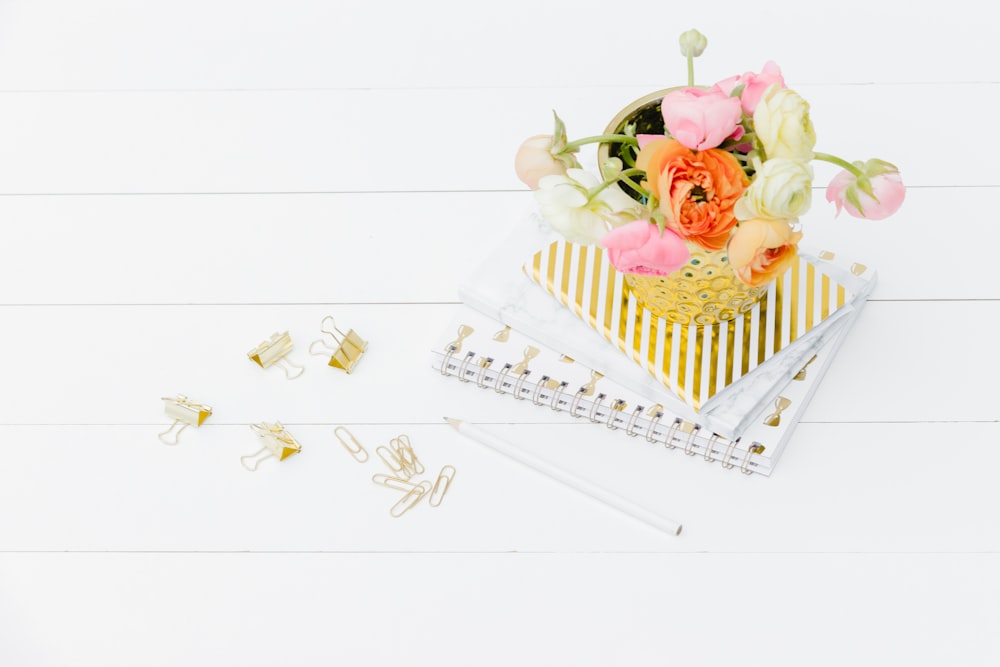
(348, 350)
(278, 443)
(273, 351)
(410, 499)
(186, 412)
(396, 483)
(351, 444)
(441, 485)
(403, 450)
(392, 460)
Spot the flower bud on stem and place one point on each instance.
(862, 179)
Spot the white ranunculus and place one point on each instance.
(781, 121)
(563, 203)
(781, 190)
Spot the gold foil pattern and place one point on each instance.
(694, 362)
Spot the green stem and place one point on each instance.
(602, 138)
(633, 186)
(593, 192)
(690, 59)
(833, 159)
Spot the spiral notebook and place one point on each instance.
(505, 364)
(513, 321)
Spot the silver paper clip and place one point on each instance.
(278, 443)
(185, 412)
(273, 351)
(348, 350)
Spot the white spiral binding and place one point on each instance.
(600, 411)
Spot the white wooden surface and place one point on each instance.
(180, 179)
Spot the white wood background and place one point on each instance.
(179, 179)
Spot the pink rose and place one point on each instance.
(700, 119)
(887, 186)
(639, 247)
(753, 84)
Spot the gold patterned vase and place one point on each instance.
(704, 291)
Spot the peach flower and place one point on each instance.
(760, 250)
(695, 190)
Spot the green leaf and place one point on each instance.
(559, 140)
(851, 195)
(865, 185)
(876, 167)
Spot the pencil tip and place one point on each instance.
(453, 422)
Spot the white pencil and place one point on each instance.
(583, 486)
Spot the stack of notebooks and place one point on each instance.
(550, 322)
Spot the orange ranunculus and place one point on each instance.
(761, 249)
(696, 190)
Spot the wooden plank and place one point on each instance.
(96, 488)
(65, 357)
(213, 44)
(342, 248)
(439, 139)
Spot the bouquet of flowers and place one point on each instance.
(731, 172)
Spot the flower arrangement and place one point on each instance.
(731, 172)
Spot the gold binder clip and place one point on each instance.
(272, 352)
(278, 443)
(858, 268)
(826, 255)
(503, 335)
(801, 375)
(780, 405)
(348, 350)
(184, 411)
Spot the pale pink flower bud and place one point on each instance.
(534, 160)
(846, 191)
